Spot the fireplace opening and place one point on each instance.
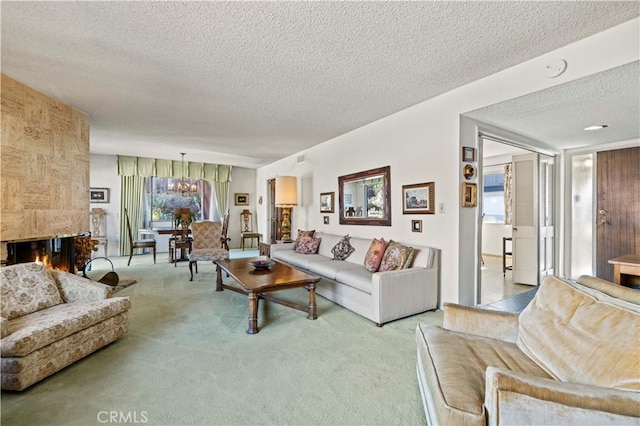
(55, 253)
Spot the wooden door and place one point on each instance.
(275, 214)
(618, 207)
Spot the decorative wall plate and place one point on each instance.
(469, 171)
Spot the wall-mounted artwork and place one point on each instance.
(99, 195)
(242, 199)
(418, 198)
(469, 194)
(416, 226)
(468, 154)
(327, 202)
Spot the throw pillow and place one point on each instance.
(308, 245)
(343, 249)
(374, 254)
(395, 256)
(27, 288)
(303, 234)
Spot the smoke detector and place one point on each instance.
(555, 68)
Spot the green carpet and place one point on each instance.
(187, 360)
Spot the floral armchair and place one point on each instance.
(208, 244)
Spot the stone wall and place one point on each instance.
(44, 176)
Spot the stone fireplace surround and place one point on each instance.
(44, 173)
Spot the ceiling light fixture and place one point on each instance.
(183, 187)
(596, 127)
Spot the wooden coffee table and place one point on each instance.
(256, 284)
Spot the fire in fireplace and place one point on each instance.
(55, 252)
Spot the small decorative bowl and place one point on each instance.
(262, 264)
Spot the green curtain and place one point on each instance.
(132, 195)
(133, 170)
(221, 191)
(139, 166)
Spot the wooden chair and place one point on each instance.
(245, 229)
(180, 240)
(135, 244)
(225, 230)
(207, 236)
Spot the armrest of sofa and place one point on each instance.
(518, 398)
(404, 292)
(481, 322)
(76, 289)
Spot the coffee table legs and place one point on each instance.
(218, 278)
(253, 313)
(311, 310)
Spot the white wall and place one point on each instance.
(104, 174)
(242, 181)
(423, 144)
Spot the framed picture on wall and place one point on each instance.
(327, 202)
(242, 199)
(468, 154)
(416, 226)
(418, 198)
(99, 195)
(469, 194)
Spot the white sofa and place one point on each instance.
(570, 358)
(380, 296)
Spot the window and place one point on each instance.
(493, 196)
(161, 202)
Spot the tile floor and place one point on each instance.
(499, 291)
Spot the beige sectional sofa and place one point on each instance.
(379, 296)
(571, 357)
(50, 319)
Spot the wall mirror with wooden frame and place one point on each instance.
(365, 197)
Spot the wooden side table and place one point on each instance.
(626, 269)
(265, 247)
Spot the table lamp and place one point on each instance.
(286, 197)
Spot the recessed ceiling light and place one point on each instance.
(596, 127)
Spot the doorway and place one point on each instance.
(498, 186)
(604, 219)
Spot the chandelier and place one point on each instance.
(183, 187)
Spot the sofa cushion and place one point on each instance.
(453, 366)
(580, 335)
(298, 259)
(358, 278)
(26, 288)
(329, 268)
(307, 245)
(38, 329)
(342, 249)
(374, 254)
(395, 256)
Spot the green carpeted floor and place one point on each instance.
(187, 360)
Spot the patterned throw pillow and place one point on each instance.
(395, 256)
(374, 254)
(307, 245)
(343, 249)
(26, 288)
(303, 234)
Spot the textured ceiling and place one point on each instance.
(247, 83)
(558, 115)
